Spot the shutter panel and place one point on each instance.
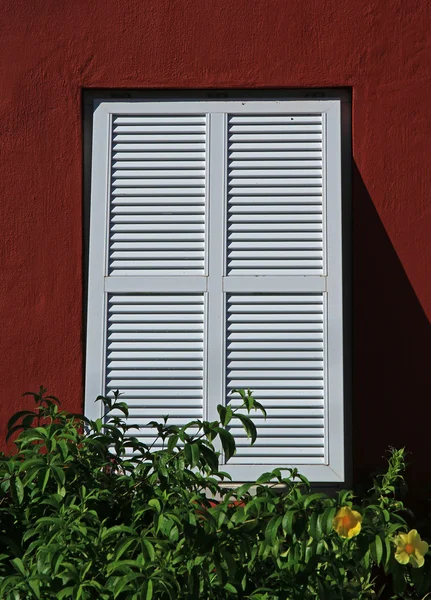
(155, 356)
(283, 288)
(157, 217)
(147, 284)
(275, 347)
(275, 195)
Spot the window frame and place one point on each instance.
(342, 466)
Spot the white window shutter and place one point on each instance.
(215, 263)
(147, 262)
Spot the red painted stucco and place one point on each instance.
(52, 49)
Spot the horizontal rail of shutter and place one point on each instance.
(275, 197)
(154, 357)
(274, 346)
(157, 206)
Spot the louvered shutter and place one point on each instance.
(215, 264)
(149, 222)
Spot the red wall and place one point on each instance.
(52, 49)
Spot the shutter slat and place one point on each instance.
(270, 135)
(263, 203)
(286, 375)
(136, 327)
(142, 139)
(159, 146)
(120, 168)
(178, 171)
(272, 229)
(162, 191)
(158, 128)
(161, 155)
(159, 120)
(266, 245)
(179, 374)
(278, 209)
(275, 181)
(262, 164)
(158, 180)
(168, 229)
(153, 364)
(160, 219)
(275, 119)
(258, 146)
(281, 127)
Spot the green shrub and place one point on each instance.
(88, 511)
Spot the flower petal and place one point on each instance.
(417, 560)
(354, 530)
(423, 547)
(413, 537)
(357, 515)
(401, 540)
(402, 557)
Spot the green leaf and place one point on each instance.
(45, 479)
(19, 490)
(264, 478)
(150, 549)
(243, 489)
(35, 587)
(17, 416)
(66, 592)
(272, 529)
(249, 426)
(32, 462)
(148, 589)
(316, 526)
(156, 503)
(287, 522)
(328, 519)
(115, 530)
(172, 442)
(388, 552)
(222, 413)
(195, 452)
(210, 458)
(19, 565)
(313, 498)
(377, 549)
(227, 441)
(123, 546)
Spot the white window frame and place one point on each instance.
(331, 281)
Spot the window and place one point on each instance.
(216, 263)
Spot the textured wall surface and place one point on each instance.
(52, 49)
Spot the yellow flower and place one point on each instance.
(347, 522)
(410, 549)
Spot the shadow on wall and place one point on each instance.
(391, 353)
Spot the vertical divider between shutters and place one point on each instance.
(215, 383)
